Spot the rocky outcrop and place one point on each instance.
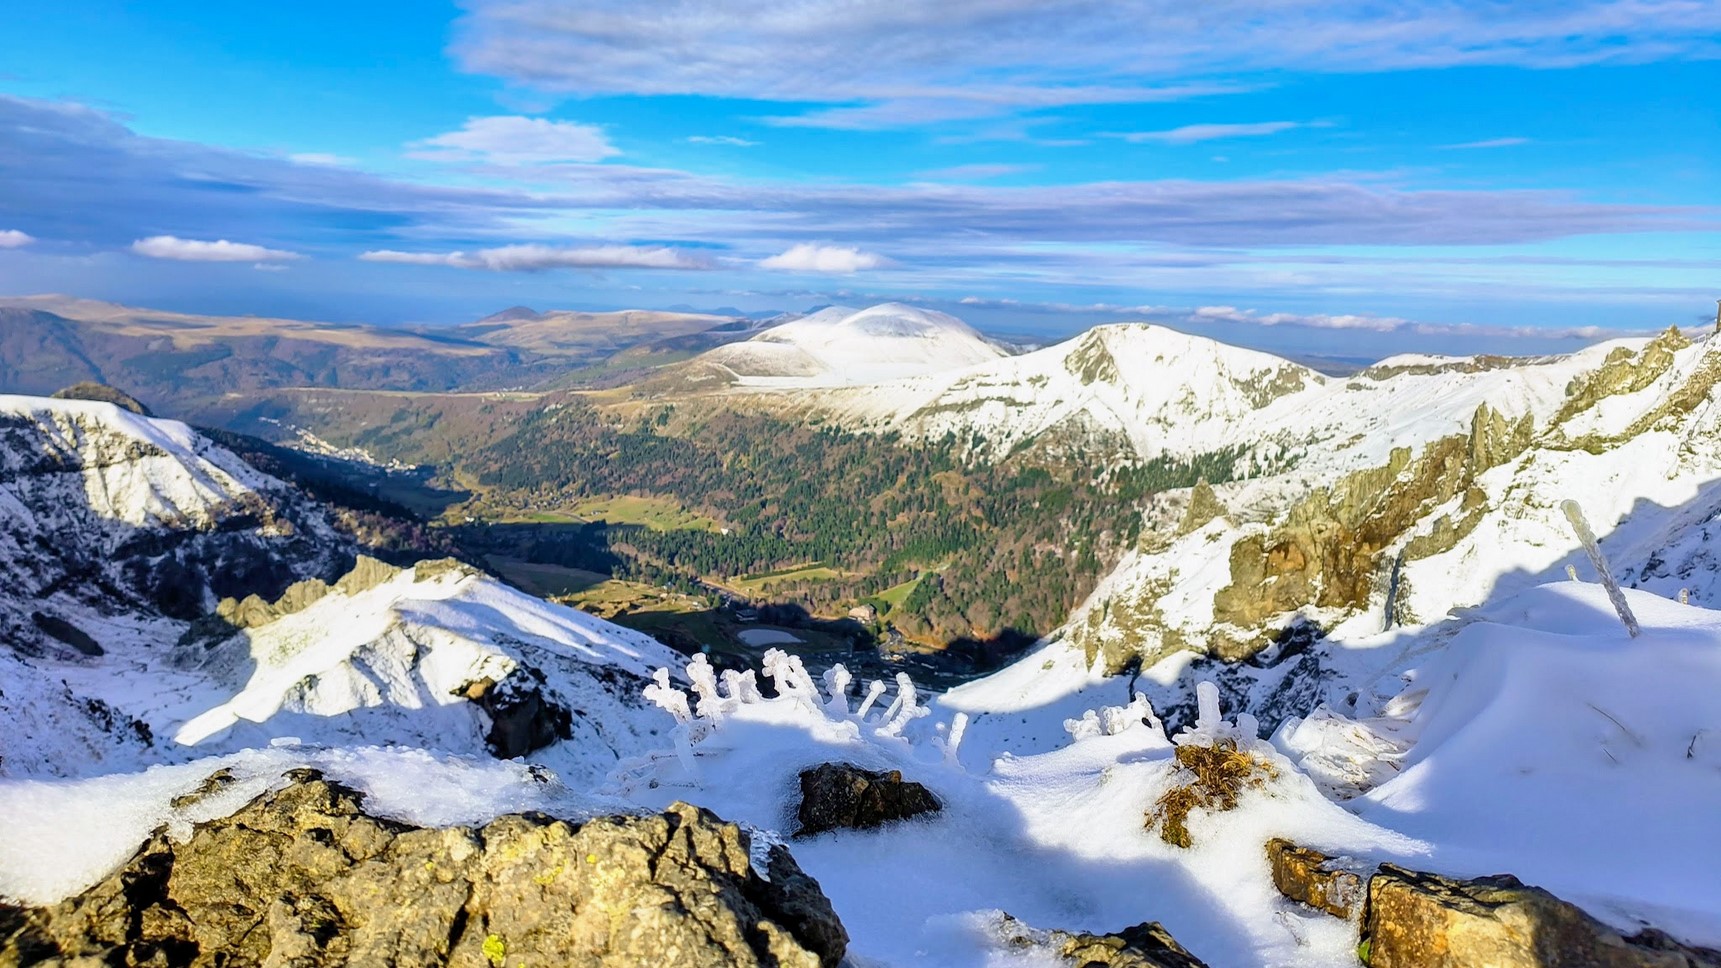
(102, 393)
(254, 611)
(522, 717)
(1411, 919)
(1313, 878)
(1417, 920)
(1327, 552)
(304, 877)
(1146, 945)
(839, 795)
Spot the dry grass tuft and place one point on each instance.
(1216, 776)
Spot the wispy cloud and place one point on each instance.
(513, 139)
(79, 173)
(807, 257)
(14, 239)
(1194, 133)
(883, 64)
(1490, 143)
(1392, 324)
(196, 250)
(721, 139)
(537, 258)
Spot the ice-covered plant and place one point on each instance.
(1586, 537)
(873, 691)
(790, 678)
(906, 709)
(837, 680)
(1112, 720)
(1217, 761)
(666, 696)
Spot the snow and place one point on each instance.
(62, 837)
(839, 346)
(1519, 730)
(759, 638)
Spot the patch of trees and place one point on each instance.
(1004, 548)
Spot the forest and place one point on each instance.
(998, 552)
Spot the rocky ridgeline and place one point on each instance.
(113, 514)
(305, 877)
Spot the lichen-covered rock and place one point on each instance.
(305, 878)
(1417, 920)
(1146, 945)
(836, 795)
(1313, 878)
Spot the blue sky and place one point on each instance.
(1343, 177)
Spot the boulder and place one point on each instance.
(1315, 879)
(1417, 920)
(304, 877)
(837, 795)
(1146, 945)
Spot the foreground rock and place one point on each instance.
(305, 878)
(1315, 879)
(1417, 920)
(1146, 945)
(839, 795)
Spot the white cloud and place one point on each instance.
(14, 239)
(1490, 143)
(512, 139)
(1231, 314)
(1193, 133)
(721, 139)
(536, 258)
(193, 250)
(904, 63)
(807, 257)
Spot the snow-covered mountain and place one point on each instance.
(1128, 388)
(105, 513)
(165, 601)
(840, 346)
(1437, 485)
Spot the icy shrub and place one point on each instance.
(1217, 761)
(798, 700)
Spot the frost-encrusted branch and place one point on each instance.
(1112, 720)
(695, 721)
(906, 709)
(1581, 526)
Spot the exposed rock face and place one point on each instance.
(1416, 920)
(1146, 945)
(1315, 879)
(89, 390)
(305, 878)
(835, 795)
(522, 718)
(1327, 551)
(115, 514)
(254, 610)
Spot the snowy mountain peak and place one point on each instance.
(839, 346)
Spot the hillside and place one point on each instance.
(1460, 510)
(165, 601)
(584, 336)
